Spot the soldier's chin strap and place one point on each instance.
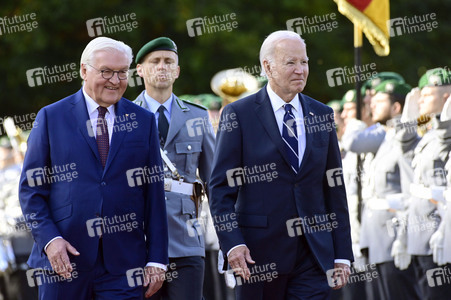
(170, 165)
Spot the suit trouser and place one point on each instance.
(97, 284)
(186, 281)
(307, 281)
(396, 284)
(431, 288)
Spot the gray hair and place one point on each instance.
(267, 48)
(107, 44)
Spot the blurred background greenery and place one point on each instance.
(61, 36)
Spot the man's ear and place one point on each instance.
(396, 109)
(267, 67)
(84, 70)
(139, 70)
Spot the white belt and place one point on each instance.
(392, 201)
(420, 191)
(178, 186)
(434, 192)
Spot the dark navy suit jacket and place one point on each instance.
(266, 209)
(62, 136)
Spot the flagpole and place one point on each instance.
(358, 41)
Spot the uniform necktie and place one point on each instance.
(102, 138)
(290, 137)
(163, 126)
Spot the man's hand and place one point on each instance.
(57, 255)
(341, 276)
(154, 278)
(237, 261)
(401, 257)
(411, 110)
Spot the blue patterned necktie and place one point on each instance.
(102, 137)
(290, 137)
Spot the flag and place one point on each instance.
(372, 17)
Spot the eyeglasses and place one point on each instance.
(108, 74)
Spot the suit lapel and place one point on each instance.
(178, 108)
(118, 135)
(81, 118)
(308, 137)
(265, 114)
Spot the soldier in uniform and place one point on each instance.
(430, 157)
(187, 140)
(386, 187)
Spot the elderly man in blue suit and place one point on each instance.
(92, 180)
(276, 189)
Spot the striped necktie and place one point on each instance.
(290, 137)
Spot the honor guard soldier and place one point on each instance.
(187, 141)
(430, 157)
(386, 185)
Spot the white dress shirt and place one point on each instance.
(279, 111)
(93, 113)
(154, 105)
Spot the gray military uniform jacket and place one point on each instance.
(431, 155)
(385, 178)
(189, 149)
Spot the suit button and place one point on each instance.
(103, 183)
(165, 198)
(165, 151)
(189, 147)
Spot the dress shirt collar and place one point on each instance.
(154, 104)
(91, 105)
(277, 102)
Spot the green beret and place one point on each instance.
(379, 77)
(336, 105)
(435, 77)
(161, 43)
(393, 87)
(350, 96)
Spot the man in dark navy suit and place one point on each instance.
(277, 193)
(92, 179)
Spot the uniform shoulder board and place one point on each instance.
(195, 104)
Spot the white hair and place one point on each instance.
(267, 48)
(104, 44)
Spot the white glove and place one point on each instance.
(436, 243)
(359, 260)
(446, 111)
(400, 255)
(411, 109)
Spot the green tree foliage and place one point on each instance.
(61, 36)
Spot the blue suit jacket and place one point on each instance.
(61, 136)
(265, 207)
